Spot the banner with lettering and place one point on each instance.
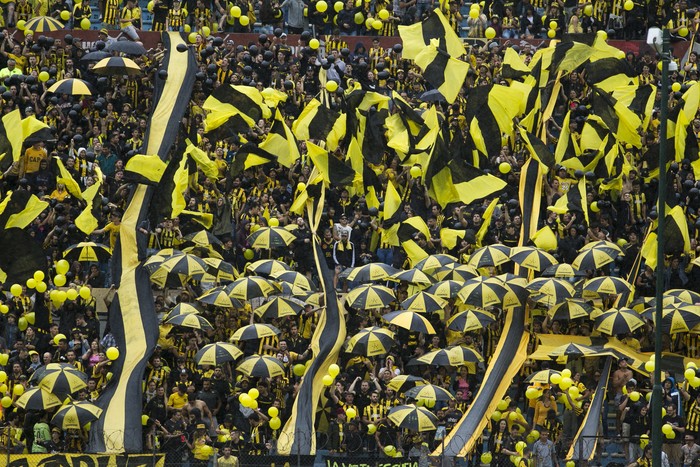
(85, 460)
(369, 461)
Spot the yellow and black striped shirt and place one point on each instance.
(375, 412)
(111, 12)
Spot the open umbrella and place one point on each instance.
(455, 272)
(296, 279)
(432, 95)
(489, 255)
(423, 302)
(409, 320)
(482, 292)
(562, 270)
(370, 296)
(177, 270)
(249, 287)
(71, 86)
(594, 258)
(531, 257)
(369, 272)
(371, 341)
(218, 296)
(42, 24)
(403, 382)
(217, 353)
(254, 331)
(466, 354)
(220, 269)
(75, 415)
(182, 308)
(270, 237)
(95, 56)
(429, 392)
(203, 251)
(436, 261)
(191, 320)
(413, 418)
(607, 285)
(553, 290)
(573, 350)
(446, 289)
(265, 267)
(686, 295)
(127, 47)
(570, 309)
(261, 366)
(117, 66)
(87, 252)
(470, 320)
(37, 399)
(614, 321)
(676, 317)
(601, 244)
(541, 377)
(439, 357)
(278, 307)
(63, 379)
(413, 276)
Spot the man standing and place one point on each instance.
(543, 450)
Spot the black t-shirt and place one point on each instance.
(156, 408)
(676, 420)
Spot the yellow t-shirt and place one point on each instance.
(176, 401)
(232, 461)
(113, 230)
(32, 159)
(130, 13)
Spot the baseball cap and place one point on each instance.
(104, 31)
(33, 352)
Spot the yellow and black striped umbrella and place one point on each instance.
(409, 320)
(218, 296)
(413, 276)
(87, 252)
(601, 244)
(254, 331)
(517, 292)
(38, 399)
(403, 382)
(71, 86)
(370, 296)
(217, 353)
(675, 317)
(424, 302)
(434, 262)
(369, 272)
(570, 309)
(455, 272)
(182, 308)
(470, 320)
(191, 320)
(117, 66)
(176, 270)
(270, 237)
(75, 415)
(551, 290)
(249, 287)
(482, 292)
(221, 270)
(466, 354)
(489, 255)
(594, 258)
(278, 307)
(446, 289)
(413, 418)
(429, 392)
(261, 366)
(370, 342)
(607, 285)
(561, 271)
(531, 257)
(266, 267)
(614, 321)
(62, 379)
(297, 280)
(201, 237)
(573, 350)
(686, 295)
(42, 24)
(203, 251)
(542, 376)
(312, 298)
(439, 357)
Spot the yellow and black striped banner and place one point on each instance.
(132, 315)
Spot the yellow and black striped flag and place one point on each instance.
(574, 201)
(417, 36)
(281, 143)
(317, 122)
(530, 197)
(444, 73)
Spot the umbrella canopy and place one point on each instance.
(75, 415)
(176, 270)
(482, 292)
(490, 255)
(119, 66)
(531, 257)
(686, 295)
(218, 296)
(297, 280)
(261, 366)
(62, 379)
(455, 272)
(71, 86)
(676, 317)
(601, 244)
(126, 47)
(203, 251)
(87, 252)
(470, 320)
(369, 272)
(95, 56)
(614, 321)
(202, 237)
(220, 269)
(607, 285)
(42, 24)
(594, 258)
(265, 267)
(562, 271)
(466, 354)
(423, 302)
(439, 357)
(541, 377)
(433, 262)
(413, 418)
(570, 309)
(255, 331)
(553, 290)
(573, 350)
(217, 353)
(409, 320)
(446, 289)
(38, 399)
(278, 307)
(371, 341)
(370, 296)
(249, 287)
(516, 294)
(403, 382)
(413, 276)
(313, 298)
(270, 237)
(182, 308)
(429, 392)
(191, 320)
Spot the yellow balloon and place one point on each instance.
(299, 369)
(58, 338)
(4, 358)
(274, 222)
(314, 44)
(649, 366)
(383, 14)
(253, 393)
(327, 380)
(31, 318)
(41, 287)
(6, 402)
(192, 37)
(3, 376)
(377, 24)
(65, 15)
(333, 370)
(275, 423)
(415, 171)
(371, 429)
(149, 6)
(188, 29)
(588, 10)
(244, 20)
(321, 6)
(85, 24)
(350, 413)
(273, 412)
(629, 5)
(71, 294)
(253, 404)
(359, 18)
(59, 280)
(675, 87)
(144, 419)
(236, 11)
(245, 400)
(22, 323)
(112, 353)
(566, 373)
(20, 24)
(85, 293)
(337, 6)
(205, 31)
(486, 458)
(16, 290)
(683, 31)
(18, 390)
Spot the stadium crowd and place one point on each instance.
(187, 407)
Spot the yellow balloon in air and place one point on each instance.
(490, 33)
